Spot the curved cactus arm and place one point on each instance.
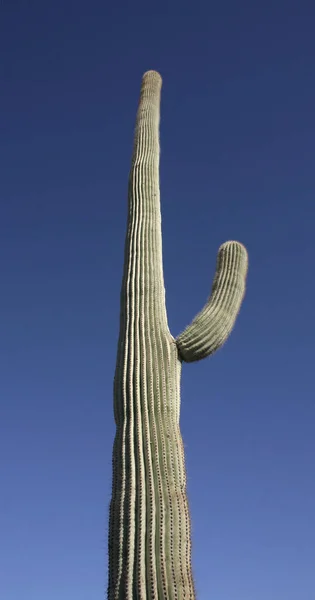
(212, 326)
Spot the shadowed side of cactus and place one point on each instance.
(149, 524)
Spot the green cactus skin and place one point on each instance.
(149, 523)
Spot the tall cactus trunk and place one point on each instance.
(149, 525)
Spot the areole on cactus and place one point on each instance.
(149, 523)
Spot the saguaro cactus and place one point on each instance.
(149, 524)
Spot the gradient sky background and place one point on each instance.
(237, 138)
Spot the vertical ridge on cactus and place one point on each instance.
(149, 540)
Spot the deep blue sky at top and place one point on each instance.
(237, 162)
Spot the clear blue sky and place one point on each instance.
(237, 162)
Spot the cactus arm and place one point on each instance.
(212, 326)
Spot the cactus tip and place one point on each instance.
(152, 73)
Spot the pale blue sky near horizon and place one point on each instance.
(237, 162)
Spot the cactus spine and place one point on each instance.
(149, 524)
